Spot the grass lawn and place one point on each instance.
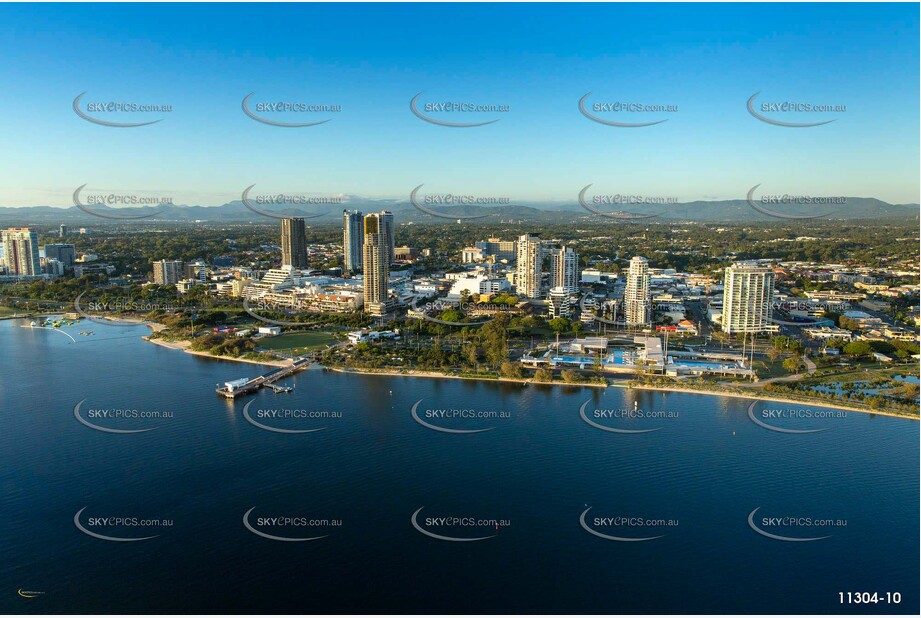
(297, 342)
(8, 311)
(862, 370)
(766, 368)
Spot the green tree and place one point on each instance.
(510, 369)
(494, 339)
(451, 315)
(472, 352)
(857, 349)
(571, 376)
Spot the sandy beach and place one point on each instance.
(184, 346)
(433, 374)
(762, 397)
(765, 397)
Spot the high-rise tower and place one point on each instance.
(20, 252)
(564, 269)
(637, 297)
(748, 291)
(376, 265)
(293, 243)
(528, 274)
(352, 240)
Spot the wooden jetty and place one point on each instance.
(238, 388)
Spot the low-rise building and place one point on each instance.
(824, 333)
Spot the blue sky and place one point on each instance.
(538, 59)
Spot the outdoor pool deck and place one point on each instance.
(625, 361)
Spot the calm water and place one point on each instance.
(707, 467)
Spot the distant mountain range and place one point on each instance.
(725, 211)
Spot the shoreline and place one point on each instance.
(184, 346)
(432, 374)
(823, 404)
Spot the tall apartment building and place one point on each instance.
(638, 297)
(62, 231)
(376, 264)
(528, 275)
(62, 252)
(20, 252)
(564, 269)
(166, 272)
(293, 243)
(748, 291)
(386, 220)
(352, 240)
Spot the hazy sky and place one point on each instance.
(539, 60)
